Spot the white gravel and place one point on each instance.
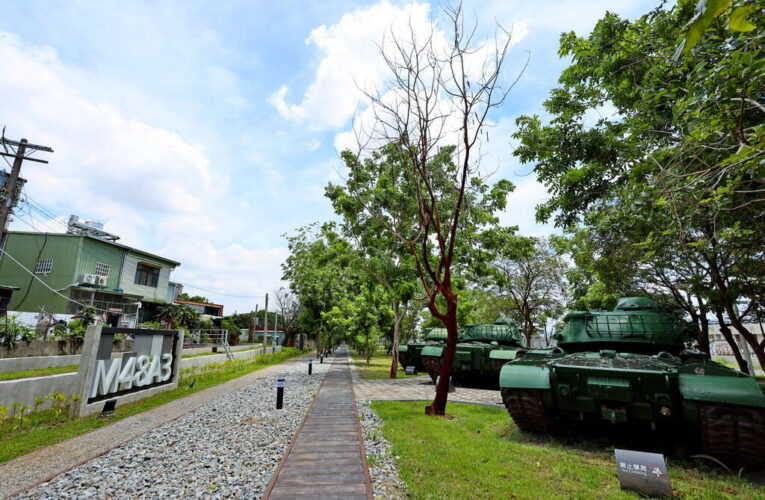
(226, 449)
(386, 483)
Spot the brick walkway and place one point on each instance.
(326, 460)
(418, 389)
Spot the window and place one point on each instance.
(43, 266)
(146, 275)
(102, 269)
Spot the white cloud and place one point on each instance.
(154, 189)
(350, 62)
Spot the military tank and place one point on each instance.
(480, 354)
(629, 367)
(409, 353)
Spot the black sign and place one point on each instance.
(151, 363)
(410, 370)
(645, 473)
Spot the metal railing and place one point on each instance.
(215, 337)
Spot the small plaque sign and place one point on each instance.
(410, 370)
(644, 473)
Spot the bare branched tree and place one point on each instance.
(289, 308)
(436, 107)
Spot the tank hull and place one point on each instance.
(719, 411)
(475, 364)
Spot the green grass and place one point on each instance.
(478, 453)
(39, 372)
(45, 428)
(379, 367)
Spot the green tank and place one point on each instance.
(629, 367)
(409, 353)
(480, 354)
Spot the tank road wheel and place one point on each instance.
(733, 434)
(527, 410)
(432, 365)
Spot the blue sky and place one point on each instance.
(203, 131)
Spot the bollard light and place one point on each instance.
(310, 366)
(279, 393)
(321, 359)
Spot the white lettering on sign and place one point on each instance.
(138, 371)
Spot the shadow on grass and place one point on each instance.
(600, 441)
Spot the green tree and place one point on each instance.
(178, 315)
(532, 282)
(322, 269)
(670, 181)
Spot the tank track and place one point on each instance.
(527, 410)
(432, 365)
(733, 434)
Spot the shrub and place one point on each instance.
(11, 331)
(152, 325)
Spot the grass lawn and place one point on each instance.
(39, 372)
(479, 453)
(379, 367)
(45, 427)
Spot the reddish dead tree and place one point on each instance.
(435, 108)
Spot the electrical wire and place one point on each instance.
(224, 294)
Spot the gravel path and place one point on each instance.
(225, 449)
(386, 483)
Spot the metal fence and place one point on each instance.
(212, 337)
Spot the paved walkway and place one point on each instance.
(327, 459)
(42, 465)
(418, 389)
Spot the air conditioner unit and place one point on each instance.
(88, 279)
(101, 280)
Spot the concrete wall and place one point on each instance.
(25, 390)
(37, 362)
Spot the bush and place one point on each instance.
(233, 331)
(11, 331)
(152, 325)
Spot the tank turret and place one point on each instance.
(637, 324)
(480, 353)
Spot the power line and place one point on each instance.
(223, 293)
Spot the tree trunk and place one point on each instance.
(728, 302)
(732, 342)
(398, 315)
(438, 406)
(704, 333)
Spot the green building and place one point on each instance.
(57, 273)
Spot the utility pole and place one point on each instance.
(19, 151)
(265, 327)
(253, 324)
